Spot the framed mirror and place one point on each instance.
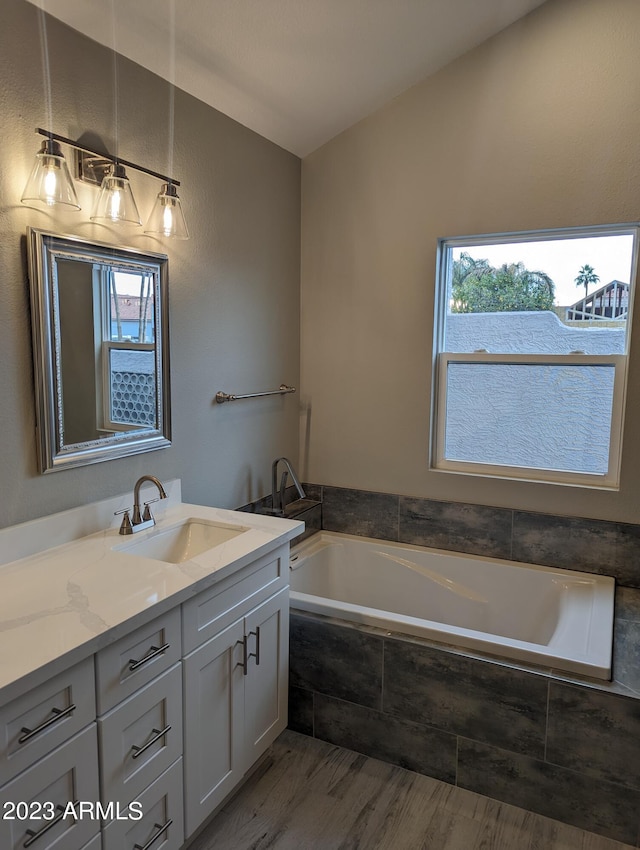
(100, 324)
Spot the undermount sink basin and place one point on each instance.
(182, 541)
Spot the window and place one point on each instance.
(531, 342)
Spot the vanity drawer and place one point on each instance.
(161, 822)
(141, 738)
(67, 775)
(214, 609)
(136, 659)
(34, 724)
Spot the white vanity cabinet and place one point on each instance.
(157, 727)
(235, 682)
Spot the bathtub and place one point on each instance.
(560, 619)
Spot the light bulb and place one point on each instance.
(114, 203)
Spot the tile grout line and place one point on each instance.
(382, 679)
(546, 721)
(457, 759)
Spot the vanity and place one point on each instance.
(140, 676)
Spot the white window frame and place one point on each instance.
(442, 358)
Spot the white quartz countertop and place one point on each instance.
(63, 604)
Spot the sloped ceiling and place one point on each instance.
(296, 71)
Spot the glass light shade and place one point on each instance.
(167, 218)
(50, 182)
(116, 204)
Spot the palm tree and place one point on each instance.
(586, 276)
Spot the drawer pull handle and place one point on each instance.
(245, 658)
(58, 714)
(157, 734)
(256, 654)
(34, 836)
(160, 829)
(154, 651)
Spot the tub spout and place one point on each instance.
(277, 493)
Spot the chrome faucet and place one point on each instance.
(277, 494)
(138, 522)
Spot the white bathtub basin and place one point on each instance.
(182, 541)
(560, 619)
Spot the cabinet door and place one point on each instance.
(266, 682)
(213, 718)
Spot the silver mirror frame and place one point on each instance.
(43, 249)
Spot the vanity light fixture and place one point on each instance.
(50, 183)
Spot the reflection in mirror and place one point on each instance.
(100, 333)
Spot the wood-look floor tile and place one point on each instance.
(310, 795)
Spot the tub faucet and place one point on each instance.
(277, 493)
(139, 522)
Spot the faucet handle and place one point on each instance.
(147, 515)
(125, 525)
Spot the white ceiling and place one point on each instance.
(296, 71)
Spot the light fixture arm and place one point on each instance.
(116, 160)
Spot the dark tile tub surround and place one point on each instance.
(474, 529)
(595, 733)
(360, 512)
(359, 653)
(626, 641)
(569, 751)
(541, 787)
(453, 692)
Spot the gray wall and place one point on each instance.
(536, 128)
(234, 286)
